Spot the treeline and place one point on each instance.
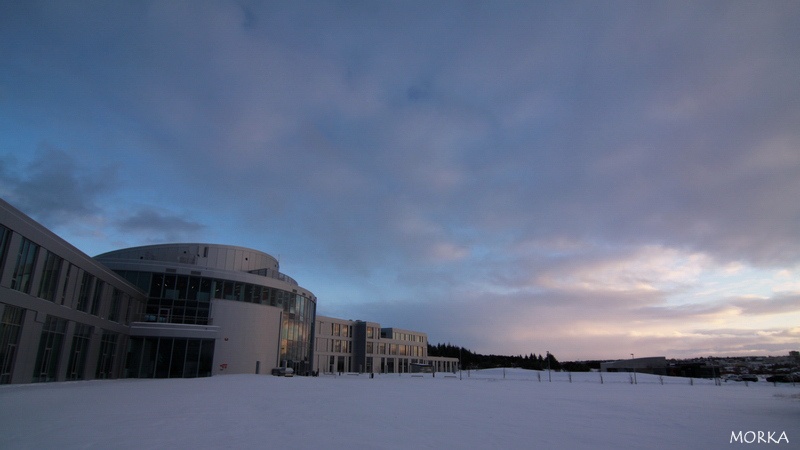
(472, 360)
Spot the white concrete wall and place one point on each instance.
(248, 333)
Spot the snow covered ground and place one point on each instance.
(490, 409)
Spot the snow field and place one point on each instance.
(480, 411)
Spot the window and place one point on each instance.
(83, 297)
(98, 296)
(49, 349)
(49, 283)
(23, 271)
(134, 311)
(67, 277)
(169, 358)
(80, 348)
(169, 287)
(10, 326)
(194, 287)
(105, 361)
(116, 302)
(5, 237)
(156, 285)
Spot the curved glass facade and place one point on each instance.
(186, 299)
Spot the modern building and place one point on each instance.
(172, 311)
(63, 315)
(214, 309)
(364, 347)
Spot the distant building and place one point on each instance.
(655, 365)
(357, 346)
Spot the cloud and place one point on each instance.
(159, 226)
(54, 187)
(524, 130)
(779, 304)
(530, 170)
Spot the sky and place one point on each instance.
(592, 179)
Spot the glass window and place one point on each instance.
(67, 278)
(5, 237)
(217, 288)
(204, 293)
(178, 359)
(80, 348)
(182, 286)
(134, 310)
(156, 285)
(164, 357)
(50, 345)
(194, 288)
(23, 271)
(83, 297)
(191, 366)
(105, 360)
(206, 358)
(116, 302)
(49, 282)
(169, 287)
(98, 296)
(265, 295)
(10, 326)
(227, 290)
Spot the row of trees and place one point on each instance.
(472, 360)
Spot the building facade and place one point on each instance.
(364, 347)
(214, 309)
(172, 311)
(63, 315)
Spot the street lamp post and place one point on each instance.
(549, 379)
(459, 363)
(633, 365)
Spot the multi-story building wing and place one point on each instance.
(63, 315)
(358, 346)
